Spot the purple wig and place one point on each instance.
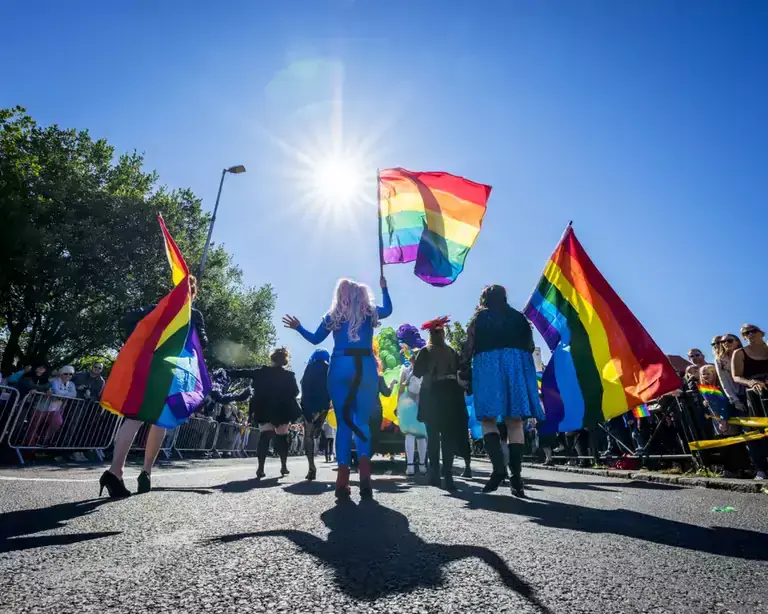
(410, 336)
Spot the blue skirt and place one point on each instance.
(504, 385)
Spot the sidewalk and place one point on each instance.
(748, 486)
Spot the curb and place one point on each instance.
(733, 485)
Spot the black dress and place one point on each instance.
(274, 394)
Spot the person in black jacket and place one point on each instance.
(273, 405)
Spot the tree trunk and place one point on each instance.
(11, 348)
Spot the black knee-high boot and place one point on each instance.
(281, 447)
(516, 466)
(262, 449)
(309, 448)
(493, 448)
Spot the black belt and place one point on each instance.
(358, 354)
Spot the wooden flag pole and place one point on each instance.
(381, 238)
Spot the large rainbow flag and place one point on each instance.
(431, 218)
(160, 376)
(603, 360)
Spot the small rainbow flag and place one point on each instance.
(641, 411)
(716, 400)
(160, 376)
(603, 360)
(432, 218)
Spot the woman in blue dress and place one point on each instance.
(352, 377)
(499, 348)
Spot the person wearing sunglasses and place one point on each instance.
(750, 364)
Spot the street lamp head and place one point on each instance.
(236, 170)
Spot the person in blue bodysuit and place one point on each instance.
(353, 381)
(315, 402)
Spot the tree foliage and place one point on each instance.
(456, 335)
(81, 246)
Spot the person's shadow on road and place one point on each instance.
(725, 541)
(17, 527)
(374, 553)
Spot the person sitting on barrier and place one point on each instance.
(112, 478)
(315, 402)
(352, 376)
(273, 405)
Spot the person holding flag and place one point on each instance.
(159, 377)
(352, 375)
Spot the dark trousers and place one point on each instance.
(438, 439)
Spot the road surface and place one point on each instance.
(213, 539)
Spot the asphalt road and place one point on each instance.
(211, 538)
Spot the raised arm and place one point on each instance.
(385, 310)
(315, 338)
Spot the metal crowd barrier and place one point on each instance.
(49, 422)
(251, 440)
(229, 438)
(9, 398)
(140, 441)
(196, 435)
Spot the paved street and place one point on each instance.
(211, 538)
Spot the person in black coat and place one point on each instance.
(273, 405)
(441, 402)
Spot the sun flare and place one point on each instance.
(339, 181)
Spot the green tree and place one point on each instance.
(82, 246)
(456, 335)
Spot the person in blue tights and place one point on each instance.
(353, 381)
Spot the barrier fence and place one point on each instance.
(41, 422)
(48, 422)
(196, 435)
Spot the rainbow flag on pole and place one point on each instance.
(603, 360)
(430, 218)
(715, 399)
(160, 376)
(641, 411)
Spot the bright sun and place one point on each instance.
(339, 181)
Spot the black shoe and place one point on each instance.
(467, 472)
(434, 477)
(145, 483)
(312, 474)
(284, 471)
(448, 483)
(343, 494)
(366, 492)
(114, 485)
(494, 482)
(260, 473)
(516, 487)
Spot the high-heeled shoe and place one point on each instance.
(284, 471)
(494, 482)
(145, 483)
(114, 485)
(312, 474)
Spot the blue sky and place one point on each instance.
(644, 122)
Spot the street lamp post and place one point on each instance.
(235, 170)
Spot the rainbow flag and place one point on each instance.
(603, 360)
(160, 376)
(716, 400)
(431, 218)
(641, 411)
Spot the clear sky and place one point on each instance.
(642, 121)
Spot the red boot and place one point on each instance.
(342, 483)
(366, 490)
